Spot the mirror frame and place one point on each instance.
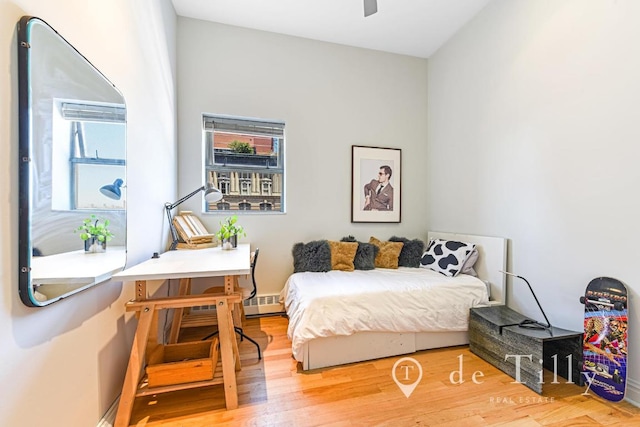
(27, 289)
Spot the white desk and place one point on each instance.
(77, 266)
(55, 276)
(191, 263)
(184, 265)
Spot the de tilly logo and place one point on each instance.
(407, 381)
(407, 373)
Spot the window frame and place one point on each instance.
(248, 181)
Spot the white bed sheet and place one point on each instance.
(380, 300)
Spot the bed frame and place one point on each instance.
(339, 350)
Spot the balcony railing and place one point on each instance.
(226, 158)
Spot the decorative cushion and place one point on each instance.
(312, 256)
(365, 255)
(342, 255)
(411, 253)
(389, 253)
(467, 267)
(446, 256)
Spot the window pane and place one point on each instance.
(254, 191)
(89, 152)
(89, 179)
(245, 150)
(245, 160)
(104, 140)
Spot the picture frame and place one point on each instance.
(376, 184)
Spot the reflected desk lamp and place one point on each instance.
(211, 194)
(113, 191)
(530, 323)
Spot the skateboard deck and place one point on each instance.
(604, 347)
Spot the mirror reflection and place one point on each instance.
(72, 169)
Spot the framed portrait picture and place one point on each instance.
(375, 184)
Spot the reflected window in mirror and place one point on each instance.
(90, 136)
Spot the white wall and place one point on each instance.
(63, 365)
(330, 97)
(533, 135)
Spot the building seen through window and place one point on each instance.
(245, 160)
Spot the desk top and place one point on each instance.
(77, 266)
(191, 263)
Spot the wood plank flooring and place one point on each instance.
(276, 392)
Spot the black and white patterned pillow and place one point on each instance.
(446, 256)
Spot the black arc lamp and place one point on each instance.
(113, 191)
(211, 194)
(530, 323)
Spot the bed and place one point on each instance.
(342, 317)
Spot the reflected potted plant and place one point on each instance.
(95, 233)
(229, 232)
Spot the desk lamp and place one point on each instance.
(211, 194)
(113, 191)
(529, 323)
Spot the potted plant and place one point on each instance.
(229, 232)
(95, 233)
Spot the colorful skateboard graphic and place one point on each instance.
(605, 338)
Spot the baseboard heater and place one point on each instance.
(260, 304)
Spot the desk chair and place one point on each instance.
(251, 294)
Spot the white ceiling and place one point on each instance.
(408, 27)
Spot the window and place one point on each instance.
(244, 158)
(89, 152)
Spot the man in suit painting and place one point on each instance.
(378, 194)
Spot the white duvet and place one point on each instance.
(380, 300)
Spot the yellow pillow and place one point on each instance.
(342, 255)
(388, 254)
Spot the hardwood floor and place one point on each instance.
(276, 392)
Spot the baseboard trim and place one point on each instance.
(109, 418)
(633, 392)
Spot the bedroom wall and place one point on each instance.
(331, 97)
(63, 365)
(534, 106)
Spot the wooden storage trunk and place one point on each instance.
(183, 363)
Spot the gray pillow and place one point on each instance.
(446, 256)
(467, 267)
(411, 253)
(313, 256)
(365, 255)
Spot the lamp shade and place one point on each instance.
(113, 191)
(211, 193)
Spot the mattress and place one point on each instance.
(380, 300)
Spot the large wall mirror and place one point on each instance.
(72, 169)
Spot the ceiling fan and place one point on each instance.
(370, 7)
